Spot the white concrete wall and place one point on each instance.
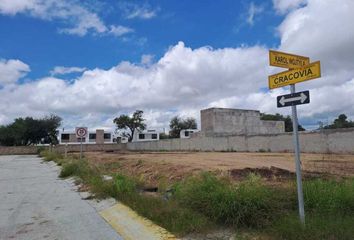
(325, 141)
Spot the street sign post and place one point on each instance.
(81, 132)
(300, 195)
(297, 75)
(299, 69)
(286, 60)
(293, 99)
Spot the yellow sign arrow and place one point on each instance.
(287, 60)
(285, 78)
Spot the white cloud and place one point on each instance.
(284, 6)
(14, 6)
(60, 70)
(78, 19)
(120, 30)
(12, 70)
(253, 10)
(323, 31)
(182, 79)
(138, 11)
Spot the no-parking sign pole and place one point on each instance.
(81, 132)
(81, 149)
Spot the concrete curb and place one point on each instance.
(131, 226)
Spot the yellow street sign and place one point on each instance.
(285, 78)
(286, 60)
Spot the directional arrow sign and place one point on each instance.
(293, 99)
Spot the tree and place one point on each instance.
(29, 131)
(278, 117)
(177, 124)
(340, 122)
(135, 122)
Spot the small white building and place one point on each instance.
(98, 136)
(146, 135)
(186, 133)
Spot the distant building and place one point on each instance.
(121, 139)
(227, 121)
(98, 136)
(146, 135)
(186, 133)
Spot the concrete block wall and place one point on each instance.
(89, 147)
(18, 150)
(324, 141)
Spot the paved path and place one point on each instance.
(35, 204)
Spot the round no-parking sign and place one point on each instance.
(81, 132)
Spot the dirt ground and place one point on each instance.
(173, 166)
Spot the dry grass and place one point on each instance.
(152, 167)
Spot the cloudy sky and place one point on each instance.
(90, 61)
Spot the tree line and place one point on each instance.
(31, 131)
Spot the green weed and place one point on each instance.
(246, 204)
(317, 227)
(328, 196)
(50, 155)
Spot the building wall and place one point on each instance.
(324, 141)
(226, 121)
(99, 136)
(72, 137)
(271, 127)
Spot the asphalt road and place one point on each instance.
(35, 204)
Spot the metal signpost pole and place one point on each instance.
(81, 149)
(297, 160)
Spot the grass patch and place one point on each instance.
(48, 155)
(168, 214)
(247, 204)
(329, 196)
(69, 170)
(318, 227)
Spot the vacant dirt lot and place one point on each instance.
(172, 166)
